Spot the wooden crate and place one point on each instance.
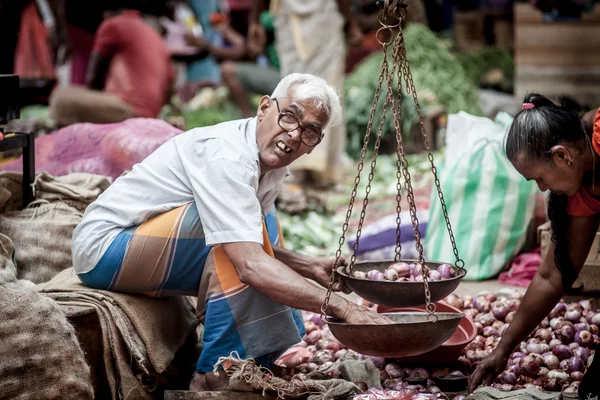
(557, 58)
(590, 274)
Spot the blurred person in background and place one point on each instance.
(300, 26)
(129, 74)
(242, 72)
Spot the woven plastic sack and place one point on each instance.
(40, 357)
(489, 203)
(102, 149)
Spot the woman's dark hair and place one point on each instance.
(536, 129)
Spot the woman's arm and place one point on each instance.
(543, 293)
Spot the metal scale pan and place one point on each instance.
(398, 294)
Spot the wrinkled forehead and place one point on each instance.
(306, 110)
(529, 168)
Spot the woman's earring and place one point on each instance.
(569, 163)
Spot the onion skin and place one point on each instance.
(581, 326)
(402, 269)
(508, 377)
(544, 335)
(454, 301)
(551, 361)
(573, 315)
(553, 343)
(575, 364)
(562, 352)
(500, 309)
(509, 317)
(446, 271)
(359, 275)
(595, 320)
(584, 338)
(583, 353)
(576, 376)
(390, 275)
(434, 275)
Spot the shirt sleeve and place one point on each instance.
(108, 38)
(225, 195)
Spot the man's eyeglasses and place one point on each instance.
(288, 122)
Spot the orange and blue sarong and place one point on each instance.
(167, 256)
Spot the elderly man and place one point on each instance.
(197, 217)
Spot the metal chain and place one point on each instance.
(382, 120)
(396, 110)
(360, 167)
(410, 89)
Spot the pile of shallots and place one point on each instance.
(553, 358)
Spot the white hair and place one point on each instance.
(309, 88)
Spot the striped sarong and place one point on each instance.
(167, 255)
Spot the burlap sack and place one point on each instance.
(40, 357)
(8, 271)
(42, 235)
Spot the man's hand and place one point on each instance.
(488, 370)
(322, 273)
(359, 315)
(257, 39)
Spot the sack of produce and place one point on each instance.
(489, 203)
(40, 357)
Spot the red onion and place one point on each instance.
(544, 335)
(584, 338)
(562, 352)
(390, 275)
(534, 348)
(564, 365)
(467, 302)
(359, 275)
(565, 332)
(500, 309)
(481, 304)
(573, 345)
(553, 343)
(576, 376)
(531, 365)
(478, 342)
(330, 345)
(471, 313)
(575, 364)
(555, 321)
(509, 317)
(583, 353)
(394, 371)
(313, 337)
(551, 361)
(595, 319)
(560, 307)
(446, 271)
(551, 385)
(575, 307)
(545, 323)
(402, 269)
(508, 377)
(558, 374)
(310, 326)
(573, 315)
(514, 369)
(419, 372)
(581, 326)
(489, 331)
(374, 275)
(419, 278)
(516, 295)
(594, 330)
(340, 354)
(454, 301)
(434, 275)
(486, 319)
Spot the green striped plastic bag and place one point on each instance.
(490, 206)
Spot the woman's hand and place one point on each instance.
(488, 370)
(321, 273)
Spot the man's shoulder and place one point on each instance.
(225, 140)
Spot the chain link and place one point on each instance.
(360, 167)
(411, 89)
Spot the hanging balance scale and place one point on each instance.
(410, 333)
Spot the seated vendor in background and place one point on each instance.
(129, 75)
(197, 218)
(551, 145)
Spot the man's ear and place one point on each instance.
(263, 107)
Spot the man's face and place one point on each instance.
(277, 147)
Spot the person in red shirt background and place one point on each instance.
(129, 75)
